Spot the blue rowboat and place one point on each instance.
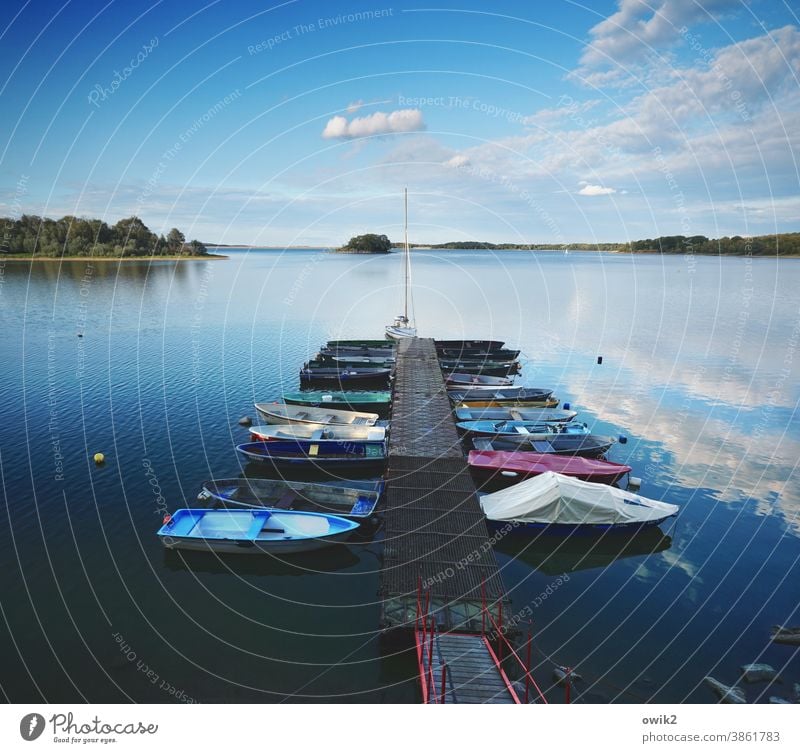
(253, 531)
(512, 413)
(584, 445)
(339, 458)
(515, 429)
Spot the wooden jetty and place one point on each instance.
(439, 575)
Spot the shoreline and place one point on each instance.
(113, 258)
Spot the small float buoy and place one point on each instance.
(566, 406)
(634, 483)
(623, 439)
(99, 458)
(167, 519)
(599, 360)
(245, 421)
(80, 334)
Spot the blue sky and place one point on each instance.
(301, 122)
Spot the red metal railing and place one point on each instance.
(425, 636)
(499, 632)
(434, 685)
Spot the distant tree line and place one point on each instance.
(366, 244)
(780, 244)
(74, 236)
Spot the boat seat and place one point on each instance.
(317, 434)
(326, 419)
(285, 502)
(522, 429)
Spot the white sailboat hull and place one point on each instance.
(400, 333)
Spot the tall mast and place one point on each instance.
(405, 306)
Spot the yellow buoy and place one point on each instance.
(99, 458)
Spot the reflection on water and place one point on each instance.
(699, 371)
(555, 555)
(328, 560)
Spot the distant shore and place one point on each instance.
(175, 257)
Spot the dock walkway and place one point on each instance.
(436, 534)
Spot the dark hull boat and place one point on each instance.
(469, 344)
(307, 456)
(584, 445)
(357, 500)
(500, 395)
(352, 400)
(455, 380)
(501, 469)
(485, 368)
(344, 374)
(478, 354)
(355, 352)
(380, 344)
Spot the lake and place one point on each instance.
(700, 372)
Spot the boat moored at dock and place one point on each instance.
(253, 531)
(318, 433)
(564, 505)
(514, 413)
(507, 468)
(306, 455)
(279, 413)
(585, 445)
(352, 400)
(356, 499)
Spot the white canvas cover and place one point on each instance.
(553, 498)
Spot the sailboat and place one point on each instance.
(403, 327)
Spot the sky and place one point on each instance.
(300, 123)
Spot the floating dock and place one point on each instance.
(436, 539)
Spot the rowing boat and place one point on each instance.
(278, 413)
(586, 445)
(499, 396)
(318, 433)
(456, 380)
(356, 499)
(253, 531)
(345, 400)
(513, 413)
(519, 429)
(339, 458)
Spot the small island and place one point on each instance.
(366, 244)
(33, 237)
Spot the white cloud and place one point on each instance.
(590, 189)
(639, 28)
(398, 121)
(457, 160)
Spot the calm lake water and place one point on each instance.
(700, 371)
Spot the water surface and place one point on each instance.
(700, 373)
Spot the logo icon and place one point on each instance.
(31, 726)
